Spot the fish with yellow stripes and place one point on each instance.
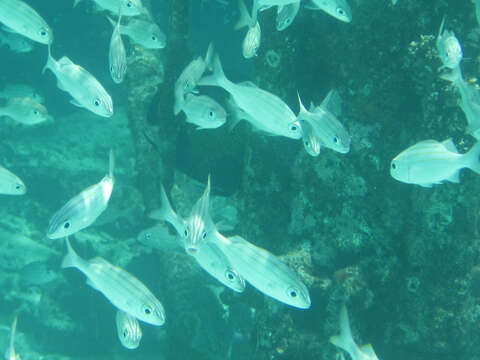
(121, 288)
(21, 18)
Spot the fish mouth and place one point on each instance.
(192, 250)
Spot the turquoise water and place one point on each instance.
(403, 258)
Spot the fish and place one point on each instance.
(187, 81)
(197, 228)
(449, 48)
(21, 18)
(20, 90)
(144, 33)
(345, 340)
(286, 14)
(267, 111)
(264, 271)
(311, 142)
(431, 162)
(470, 100)
(325, 125)
(131, 7)
(117, 55)
(251, 42)
(128, 330)
(158, 236)
(11, 184)
(121, 288)
(86, 91)
(339, 9)
(11, 354)
(83, 209)
(37, 273)
(25, 110)
(15, 42)
(203, 111)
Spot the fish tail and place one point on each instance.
(234, 113)
(111, 21)
(165, 211)
(254, 12)
(209, 56)
(244, 19)
(217, 78)
(345, 339)
(49, 60)
(179, 103)
(71, 259)
(300, 104)
(473, 157)
(111, 163)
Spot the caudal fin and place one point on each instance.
(217, 78)
(166, 213)
(245, 18)
(49, 60)
(345, 339)
(473, 158)
(71, 259)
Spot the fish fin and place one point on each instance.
(75, 2)
(332, 103)
(8, 29)
(302, 109)
(13, 330)
(90, 283)
(166, 213)
(178, 106)
(111, 21)
(312, 107)
(71, 259)
(218, 77)
(72, 101)
(442, 24)
(255, 8)
(426, 185)
(455, 75)
(311, 6)
(209, 56)
(345, 339)
(249, 84)
(473, 157)
(368, 349)
(455, 178)
(450, 145)
(245, 19)
(65, 61)
(49, 63)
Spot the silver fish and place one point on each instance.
(286, 14)
(37, 273)
(326, 127)
(132, 7)
(251, 42)
(10, 353)
(345, 340)
(19, 91)
(264, 271)
(470, 100)
(197, 228)
(86, 91)
(121, 288)
(128, 330)
(117, 55)
(188, 79)
(339, 9)
(11, 184)
(25, 110)
(203, 111)
(144, 33)
(159, 237)
(449, 48)
(16, 42)
(431, 162)
(82, 210)
(267, 111)
(23, 19)
(311, 141)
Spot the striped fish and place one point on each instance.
(86, 91)
(267, 111)
(311, 142)
(10, 353)
(128, 330)
(264, 271)
(117, 55)
(21, 18)
(25, 110)
(325, 125)
(121, 288)
(192, 235)
(203, 111)
(82, 210)
(11, 184)
(449, 48)
(132, 7)
(286, 14)
(144, 33)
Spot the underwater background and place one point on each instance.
(404, 258)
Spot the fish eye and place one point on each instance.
(43, 32)
(129, 4)
(292, 292)
(154, 38)
(294, 127)
(147, 310)
(96, 102)
(204, 235)
(335, 140)
(340, 11)
(394, 166)
(125, 333)
(18, 187)
(66, 225)
(185, 233)
(230, 275)
(35, 112)
(148, 236)
(211, 113)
